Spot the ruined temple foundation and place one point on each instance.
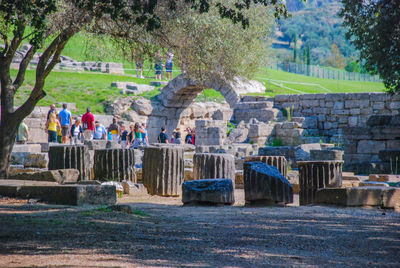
(314, 175)
(114, 165)
(70, 156)
(213, 166)
(163, 170)
(276, 161)
(265, 185)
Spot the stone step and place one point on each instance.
(385, 197)
(50, 192)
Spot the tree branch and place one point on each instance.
(16, 41)
(25, 109)
(55, 47)
(22, 67)
(5, 39)
(55, 59)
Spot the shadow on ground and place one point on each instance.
(172, 235)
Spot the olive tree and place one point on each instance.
(47, 25)
(374, 29)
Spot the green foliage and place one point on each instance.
(210, 94)
(289, 113)
(374, 30)
(317, 25)
(230, 127)
(394, 167)
(207, 47)
(276, 142)
(336, 59)
(353, 67)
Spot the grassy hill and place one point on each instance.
(93, 89)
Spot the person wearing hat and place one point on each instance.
(100, 132)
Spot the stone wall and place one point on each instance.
(335, 111)
(364, 144)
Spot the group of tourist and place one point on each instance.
(177, 136)
(60, 127)
(159, 66)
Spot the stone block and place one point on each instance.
(114, 164)
(314, 175)
(210, 132)
(239, 180)
(74, 195)
(30, 160)
(131, 188)
(163, 170)
(339, 105)
(370, 146)
(209, 166)
(373, 183)
(385, 197)
(101, 144)
(60, 176)
(27, 148)
(208, 192)
(70, 156)
(276, 161)
(316, 155)
(264, 184)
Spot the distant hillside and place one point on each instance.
(316, 24)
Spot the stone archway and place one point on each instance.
(182, 91)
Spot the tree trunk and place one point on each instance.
(8, 132)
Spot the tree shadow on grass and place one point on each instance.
(172, 235)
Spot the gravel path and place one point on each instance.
(160, 232)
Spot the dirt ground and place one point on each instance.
(161, 233)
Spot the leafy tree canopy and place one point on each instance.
(374, 28)
(205, 46)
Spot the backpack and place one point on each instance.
(85, 125)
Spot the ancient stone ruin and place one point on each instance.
(314, 175)
(114, 164)
(263, 184)
(163, 170)
(208, 192)
(70, 156)
(276, 161)
(210, 166)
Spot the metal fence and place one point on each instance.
(321, 72)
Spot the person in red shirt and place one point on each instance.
(88, 124)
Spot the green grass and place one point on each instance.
(84, 89)
(94, 89)
(289, 83)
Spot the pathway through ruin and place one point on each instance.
(161, 232)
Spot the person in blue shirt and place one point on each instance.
(145, 138)
(100, 131)
(163, 138)
(65, 119)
